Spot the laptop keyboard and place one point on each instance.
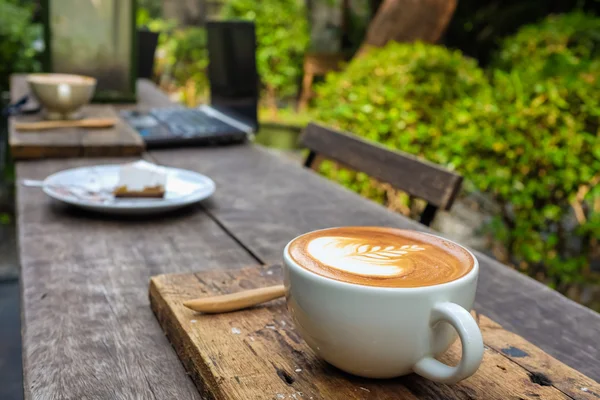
(190, 123)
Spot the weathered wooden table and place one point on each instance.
(88, 331)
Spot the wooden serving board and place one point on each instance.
(257, 354)
(119, 140)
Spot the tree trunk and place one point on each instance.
(408, 21)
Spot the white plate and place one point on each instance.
(91, 188)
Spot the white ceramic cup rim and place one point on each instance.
(55, 79)
(355, 286)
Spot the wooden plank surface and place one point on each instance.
(257, 353)
(120, 140)
(88, 331)
(403, 171)
(265, 201)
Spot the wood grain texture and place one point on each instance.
(88, 329)
(265, 201)
(540, 365)
(419, 178)
(257, 354)
(118, 140)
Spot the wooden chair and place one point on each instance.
(432, 183)
(317, 64)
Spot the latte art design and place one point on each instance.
(380, 256)
(354, 256)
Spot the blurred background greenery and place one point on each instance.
(509, 97)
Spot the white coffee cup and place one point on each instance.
(382, 332)
(62, 95)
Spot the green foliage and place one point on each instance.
(478, 26)
(534, 150)
(183, 56)
(406, 96)
(145, 20)
(282, 36)
(529, 139)
(153, 8)
(546, 122)
(559, 42)
(17, 37)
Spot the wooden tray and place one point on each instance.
(256, 353)
(120, 140)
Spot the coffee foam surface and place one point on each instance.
(376, 256)
(60, 78)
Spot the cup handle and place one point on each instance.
(472, 346)
(64, 93)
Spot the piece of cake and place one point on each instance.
(141, 179)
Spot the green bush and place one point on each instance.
(477, 26)
(17, 37)
(282, 36)
(537, 152)
(532, 143)
(557, 43)
(543, 144)
(406, 96)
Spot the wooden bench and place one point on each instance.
(430, 182)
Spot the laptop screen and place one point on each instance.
(232, 68)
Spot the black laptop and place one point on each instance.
(232, 115)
